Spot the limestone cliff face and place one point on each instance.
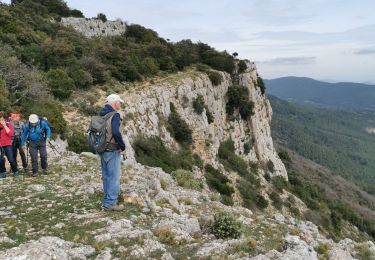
(148, 108)
(95, 27)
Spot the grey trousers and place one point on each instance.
(36, 147)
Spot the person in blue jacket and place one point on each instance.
(36, 133)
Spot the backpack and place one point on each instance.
(43, 130)
(97, 133)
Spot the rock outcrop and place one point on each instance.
(150, 106)
(92, 27)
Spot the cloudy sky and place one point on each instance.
(325, 39)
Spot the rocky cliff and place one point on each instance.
(95, 27)
(150, 105)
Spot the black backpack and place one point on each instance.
(97, 133)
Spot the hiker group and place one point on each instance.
(26, 138)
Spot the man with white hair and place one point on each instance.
(36, 133)
(111, 157)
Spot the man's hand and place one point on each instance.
(123, 154)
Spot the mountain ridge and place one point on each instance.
(345, 95)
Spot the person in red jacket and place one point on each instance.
(6, 144)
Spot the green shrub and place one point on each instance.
(152, 152)
(203, 67)
(225, 226)
(279, 183)
(276, 200)
(242, 66)
(260, 84)
(238, 99)
(210, 117)
(215, 77)
(230, 160)
(198, 104)
(186, 179)
(5, 104)
(217, 180)
(227, 200)
(50, 108)
(81, 78)
(102, 17)
(197, 160)
(247, 147)
(61, 84)
(261, 202)
(88, 109)
(178, 128)
(270, 166)
(77, 142)
(322, 249)
(284, 156)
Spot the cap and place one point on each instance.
(33, 119)
(114, 98)
(15, 116)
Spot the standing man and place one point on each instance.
(18, 129)
(111, 157)
(36, 132)
(6, 134)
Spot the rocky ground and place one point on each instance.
(59, 216)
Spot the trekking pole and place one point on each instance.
(54, 148)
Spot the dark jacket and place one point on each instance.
(116, 122)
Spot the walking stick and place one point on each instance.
(54, 148)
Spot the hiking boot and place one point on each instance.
(24, 170)
(16, 175)
(3, 175)
(115, 208)
(44, 171)
(35, 174)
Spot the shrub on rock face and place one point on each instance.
(215, 77)
(186, 179)
(152, 152)
(238, 98)
(178, 128)
(270, 166)
(198, 104)
(225, 226)
(261, 202)
(242, 66)
(260, 84)
(276, 200)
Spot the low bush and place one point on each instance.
(279, 183)
(178, 128)
(215, 77)
(276, 200)
(218, 181)
(186, 179)
(152, 152)
(242, 66)
(198, 104)
(78, 142)
(261, 86)
(225, 226)
(270, 166)
(238, 99)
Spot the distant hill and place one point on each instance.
(339, 95)
(338, 140)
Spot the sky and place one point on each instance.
(332, 40)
